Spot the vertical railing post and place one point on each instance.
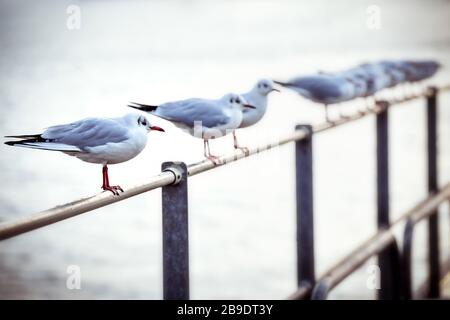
(387, 282)
(382, 128)
(433, 229)
(407, 260)
(175, 233)
(304, 197)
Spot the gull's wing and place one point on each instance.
(209, 112)
(319, 87)
(89, 132)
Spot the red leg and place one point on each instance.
(105, 177)
(208, 154)
(106, 187)
(236, 144)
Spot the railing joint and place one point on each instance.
(307, 128)
(176, 171)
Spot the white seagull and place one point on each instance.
(322, 88)
(256, 97)
(94, 140)
(202, 118)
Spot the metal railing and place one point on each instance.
(395, 267)
(173, 180)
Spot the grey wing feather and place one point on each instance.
(87, 133)
(320, 87)
(189, 111)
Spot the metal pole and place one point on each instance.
(407, 260)
(382, 167)
(304, 197)
(396, 271)
(385, 262)
(175, 233)
(321, 290)
(433, 230)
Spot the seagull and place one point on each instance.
(413, 71)
(394, 71)
(420, 70)
(322, 88)
(202, 118)
(95, 140)
(374, 76)
(256, 97)
(376, 72)
(358, 82)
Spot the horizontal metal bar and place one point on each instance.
(425, 208)
(206, 165)
(369, 248)
(44, 218)
(302, 292)
(377, 242)
(12, 228)
(322, 289)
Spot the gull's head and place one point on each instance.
(233, 100)
(146, 125)
(265, 86)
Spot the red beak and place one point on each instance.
(249, 106)
(157, 128)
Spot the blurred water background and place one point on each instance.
(242, 215)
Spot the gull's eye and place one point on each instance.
(265, 85)
(231, 100)
(238, 100)
(142, 121)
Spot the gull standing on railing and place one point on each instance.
(256, 97)
(202, 118)
(94, 140)
(322, 88)
(417, 71)
(374, 76)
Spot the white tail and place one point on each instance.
(48, 146)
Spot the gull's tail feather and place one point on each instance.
(26, 136)
(37, 142)
(143, 107)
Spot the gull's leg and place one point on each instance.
(208, 154)
(419, 89)
(236, 144)
(370, 103)
(106, 187)
(408, 91)
(403, 92)
(105, 178)
(327, 115)
(367, 103)
(363, 110)
(205, 154)
(341, 114)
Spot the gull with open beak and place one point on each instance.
(202, 118)
(95, 140)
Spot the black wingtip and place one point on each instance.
(142, 107)
(280, 83)
(11, 143)
(135, 107)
